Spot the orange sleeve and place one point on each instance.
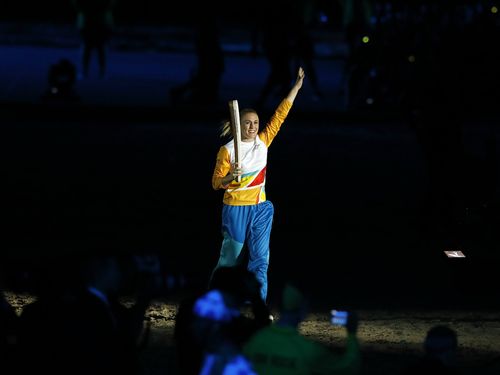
(222, 168)
(273, 126)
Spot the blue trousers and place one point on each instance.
(250, 225)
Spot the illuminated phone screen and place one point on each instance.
(338, 317)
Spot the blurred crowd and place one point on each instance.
(415, 56)
(423, 55)
(79, 322)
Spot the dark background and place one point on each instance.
(367, 197)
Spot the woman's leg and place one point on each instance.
(258, 239)
(234, 225)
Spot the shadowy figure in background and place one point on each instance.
(440, 353)
(255, 26)
(356, 23)
(83, 328)
(276, 46)
(241, 292)
(356, 20)
(202, 89)
(281, 349)
(95, 22)
(247, 214)
(304, 13)
(61, 82)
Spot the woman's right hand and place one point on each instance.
(236, 172)
(232, 175)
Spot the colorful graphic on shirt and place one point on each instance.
(261, 177)
(249, 180)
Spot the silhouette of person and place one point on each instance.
(61, 80)
(276, 46)
(242, 290)
(95, 22)
(202, 89)
(356, 21)
(247, 214)
(83, 328)
(440, 353)
(281, 349)
(303, 12)
(214, 312)
(47, 327)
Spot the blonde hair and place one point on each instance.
(225, 127)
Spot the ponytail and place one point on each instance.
(225, 129)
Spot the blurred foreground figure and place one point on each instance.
(281, 349)
(81, 326)
(238, 299)
(214, 312)
(440, 353)
(202, 88)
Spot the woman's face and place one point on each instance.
(249, 126)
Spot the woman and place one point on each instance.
(246, 214)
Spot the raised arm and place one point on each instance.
(296, 87)
(279, 116)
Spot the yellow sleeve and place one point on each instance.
(273, 126)
(222, 168)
